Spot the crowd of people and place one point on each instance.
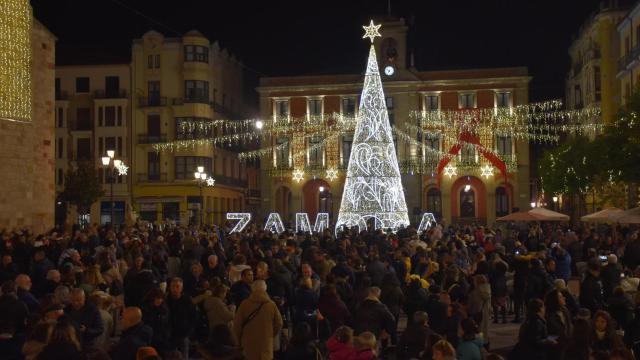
(178, 292)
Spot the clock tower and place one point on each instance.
(392, 52)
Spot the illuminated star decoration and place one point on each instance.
(298, 175)
(450, 171)
(122, 169)
(486, 171)
(371, 31)
(211, 181)
(332, 174)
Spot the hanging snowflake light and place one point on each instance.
(298, 175)
(486, 171)
(332, 174)
(450, 171)
(122, 168)
(211, 181)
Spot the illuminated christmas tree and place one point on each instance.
(373, 188)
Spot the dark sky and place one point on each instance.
(321, 37)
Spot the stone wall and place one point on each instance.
(27, 163)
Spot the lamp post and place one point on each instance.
(555, 203)
(111, 165)
(202, 179)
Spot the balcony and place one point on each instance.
(253, 193)
(152, 101)
(102, 94)
(192, 100)
(230, 181)
(152, 178)
(81, 125)
(152, 139)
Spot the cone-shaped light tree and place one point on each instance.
(373, 188)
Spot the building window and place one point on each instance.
(196, 53)
(432, 102)
(315, 107)
(315, 151)
(503, 145)
(468, 154)
(434, 202)
(348, 106)
(187, 165)
(119, 115)
(101, 147)
(153, 165)
(60, 147)
(109, 144)
(82, 85)
(196, 91)
(60, 177)
(577, 96)
(282, 152)
(156, 61)
(153, 89)
(432, 141)
(60, 117)
(119, 147)
(503, 99)
(110, 116)
(83, 147)
(502, 201)
(466, 101)
(83, 119)
(282, 108)
(347, 143)
(150, 62)
(390, 106)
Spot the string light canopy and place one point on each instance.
(373, 188)
(16, 19)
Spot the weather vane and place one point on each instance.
(371, 31)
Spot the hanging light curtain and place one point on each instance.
(15, 60)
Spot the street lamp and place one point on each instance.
(533, 204)
(110, 168)
(259, 124)
(202, 179)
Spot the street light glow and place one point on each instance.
(111, 153)
(259, 124)
(105, 160)
(321, 188)
(200, 169)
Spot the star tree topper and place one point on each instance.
(371, 31)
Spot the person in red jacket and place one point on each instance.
(340, 345)
(365, 345)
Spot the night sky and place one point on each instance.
(323, 37)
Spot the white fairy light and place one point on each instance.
(373, 188)
(274, 224)
(332, 174)
(297, 175)
(302, 223)
(450, 171)
(486, 171)
(428, 220)
(122, 169)
(244, 220)
(322, 222)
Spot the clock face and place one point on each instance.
(389, 70)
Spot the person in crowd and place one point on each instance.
(241, 289)
(63, 343)
(365, 346)
(479, 305)
(373, 316)
(604, 337)
(135, 334)
(443, 350)
(13, 312)
(218, 312)
(340, 344)
(155, 313)
(86, 319)
(333, 308)
(620, 308)
(578, 346)
(301, 345)
(418, 339)
(221, 345)
(591, 296)
(471, 344)
(610, 275)
(182, 317)
(38, 340)
(256, 322)
(533, 336)
(559, 321)
(23, 285)
(103, 302)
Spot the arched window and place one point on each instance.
(467, 203)
(502, 201)
(434, 202)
